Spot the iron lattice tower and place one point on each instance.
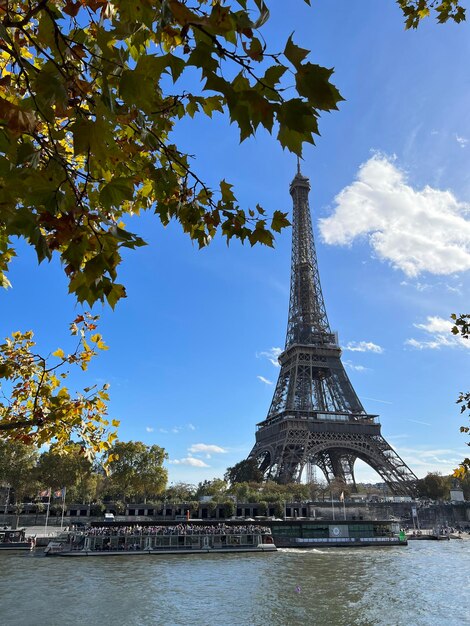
(316, 417)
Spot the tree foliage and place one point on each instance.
(444, 10)
(462, 327)
(90, 92)
(136, 470)
(35, 405)
(89, 95)
(72, 470)
(180, 492)
(216, 488)
(270, 491)
(434, 486)
(18, 468)
(244, 471)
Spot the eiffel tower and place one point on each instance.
(316, 417)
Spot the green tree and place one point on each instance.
(180, 492)
(462, 327)
(88, 489)
(89, 95)
(416, 10)
(39, 508)
(434, 486)
(36, 407)
(242, 491)
(216, 488)
(58, 470)
(229, 508)
(338, 486)
(136, 470)
(17, 470)
(244, 471)
(465, 484)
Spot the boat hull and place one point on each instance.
(361, 542)
(337, 533)
(162, 552)
(16, 546)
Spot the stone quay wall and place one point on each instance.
(429, 515)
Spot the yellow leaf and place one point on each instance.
(115, 423)
(59, 353)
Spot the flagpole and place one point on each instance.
(64, 491)
(47, 512)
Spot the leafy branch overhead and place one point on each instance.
(444, 10)
(35, 405)
(90, 92)
(462, 327)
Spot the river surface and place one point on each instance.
(424, 584)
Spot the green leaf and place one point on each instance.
(279, 221)
(202, 57)
(227, 193)
(211, 104)
(292, 140)
(264, 14)
(294, 53)
(176, 65)
(116, 192)
(115, 294)
(261, 235)
(50, 87)
(313, 82)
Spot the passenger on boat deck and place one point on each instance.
(179, 529)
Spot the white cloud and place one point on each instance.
(149, 429)
(415, 230)
(363, 346)
(271, 355)
(205, 447)
(377, 400)
(356, 368)
(422, 287)
(439, 335)
(422, 461)
(191, 427)
(190, 460)
(462, 141)
(420, 422)
(264, 380)
(175, 430)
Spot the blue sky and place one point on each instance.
(189, 361)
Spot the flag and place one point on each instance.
(341, 497)
(59, 493)
(45, 493)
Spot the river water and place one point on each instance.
(424, 584)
